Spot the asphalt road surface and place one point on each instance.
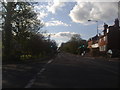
(64, 71)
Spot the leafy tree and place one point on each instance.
(76, 37)
(20, 21)
(21, 32)
(75, 45)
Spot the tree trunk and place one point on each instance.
(8, 31)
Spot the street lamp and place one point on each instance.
(97, 24)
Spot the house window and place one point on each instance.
(107, 30)
(100, 40)
(104, 38)
(102, 48)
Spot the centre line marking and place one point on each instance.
(31, 82)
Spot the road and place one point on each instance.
(64, 71)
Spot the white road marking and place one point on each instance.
(50, 61)
(43, 69)
(31, 82)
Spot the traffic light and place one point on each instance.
(83, 46)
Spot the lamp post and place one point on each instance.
(97, 24)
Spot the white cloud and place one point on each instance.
(83, 11)
(52, 18)
(56, 23)
(65, 35)
(41, 11)
(41, 15)
(55, 5)
(40, 7)
(62, 36)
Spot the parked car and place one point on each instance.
(111, 53)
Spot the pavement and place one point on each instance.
(64, 71)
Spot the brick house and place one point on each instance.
(109, 40)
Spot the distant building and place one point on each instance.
(93, 42)
(93, 45)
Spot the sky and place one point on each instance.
(64, 19)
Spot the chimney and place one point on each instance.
(117, 23)
(105, 28)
